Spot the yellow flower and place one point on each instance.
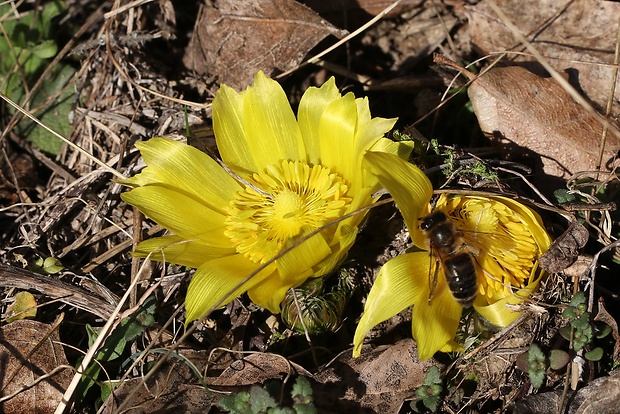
(293, 177)
(504, 237)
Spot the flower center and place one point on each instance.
(502, 243)
(280, 203)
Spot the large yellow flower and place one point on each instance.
(293, 176)
(504, 237)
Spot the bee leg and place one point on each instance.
(433, 282)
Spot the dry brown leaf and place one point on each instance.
(174, 389)
(256, 369)
(581, 37)
(28, 350)
(236, 39)
(380, 380)
(535, 113)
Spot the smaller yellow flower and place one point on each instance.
(504, 237)
(294, 176)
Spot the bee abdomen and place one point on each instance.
(462, 278)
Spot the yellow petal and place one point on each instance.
(341, 245)
(498, 314)
(182, 215)
(311, 108)
(407, 184)
(175, 249)
(434, 325)
(533, 221)
(271, 130)
(270, 293)
(401, 282)
(362, 198)
(228, 127)
(178, 166)
(368, 129)
(402, 149)
(294, 265)
(336, 138)
(215, 284)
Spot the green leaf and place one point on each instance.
(602, 330)
(51, 10)
(238, 403)
(432, 403)
(536, 378)
(569, 313)
(260, 400)
(88, 379)
(107, 387)
(55, 115)
(280, 410)
(24, 307)
(595, 355)
(558, 359)
(52, 265)
(535, 355)
(433, 376)
(45, 50)
(565, 332)
(302, 391)
(563, 196)
(304, 409)
(578, 298)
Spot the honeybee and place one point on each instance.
(456, 259)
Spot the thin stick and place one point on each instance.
(90, 355)
(316, 58)
(554, 73)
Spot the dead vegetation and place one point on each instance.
(105, 75)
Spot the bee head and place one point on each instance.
(432, 220)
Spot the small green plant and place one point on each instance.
(584, 331)
(431, 392)
(259, 401)
(48, 266)
(26, 45)
(452, 165)
(536, 366)
(401, 136)
(579, 329)
(579, 321)
(479, 169)
(114, 346)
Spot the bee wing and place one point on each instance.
(476, 240)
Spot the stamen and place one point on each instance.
(293, 196)
(506, 249)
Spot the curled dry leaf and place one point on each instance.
(535, 113)
(236, 39)
(579, 34)
(564, 250)
(606, 318)
(30, 350)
